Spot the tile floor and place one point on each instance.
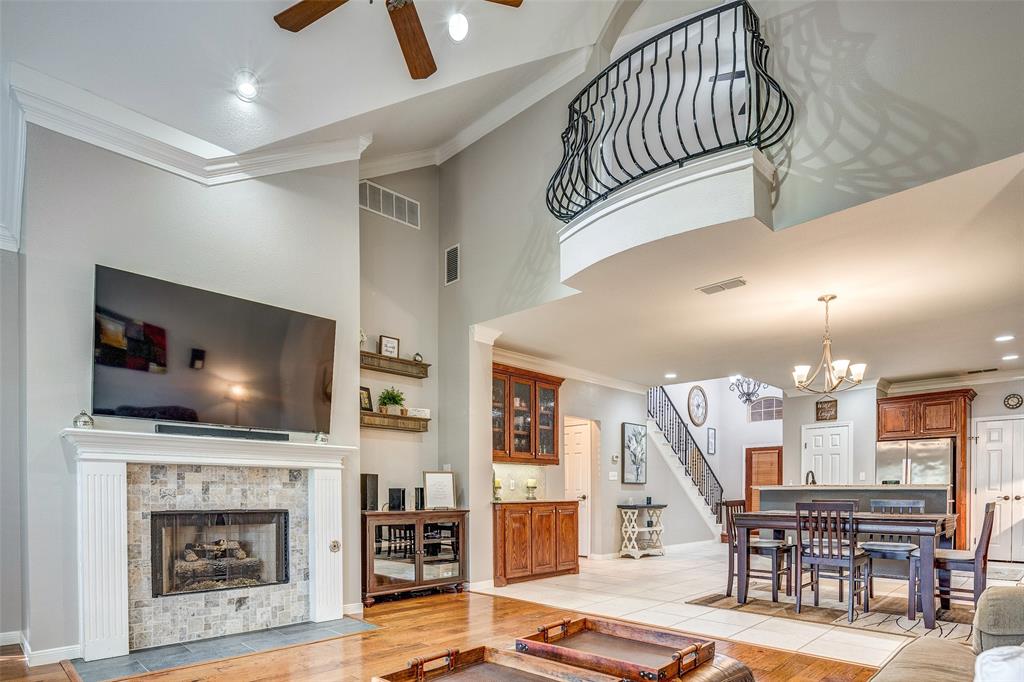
(655, 590)
(174, 655)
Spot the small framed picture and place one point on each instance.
(388, 345)
(634, 453)
(712, 441)
(365, 399)
(826, 410)
(439, 490)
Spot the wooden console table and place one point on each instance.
(641, 540)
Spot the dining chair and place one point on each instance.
(856, 507)
(887, 546)
(831, 543)
(779, 552)
(947, 560)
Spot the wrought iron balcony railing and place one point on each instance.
(697, 88)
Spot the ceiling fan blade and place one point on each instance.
(304, 13)
(413, 41)
(507, 3)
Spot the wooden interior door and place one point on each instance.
(764, 467)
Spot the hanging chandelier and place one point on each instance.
(839, 375)
(747, 390)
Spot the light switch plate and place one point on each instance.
(447, 467)
(862, 475)
(613, 475)
(512, 484)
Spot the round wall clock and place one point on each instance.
(1013, 401)
(697, 405)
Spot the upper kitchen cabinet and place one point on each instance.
(524, 416)
(925, 415)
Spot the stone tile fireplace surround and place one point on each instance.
(124, 476)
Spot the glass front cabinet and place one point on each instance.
(413, 550)
(524, 416)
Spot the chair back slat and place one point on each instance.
(896, 507)
(981, 551)
(827, 525)
(731, 508)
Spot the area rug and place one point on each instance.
(888, 615)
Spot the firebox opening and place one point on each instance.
(200, 551)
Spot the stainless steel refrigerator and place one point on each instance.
(922, 461)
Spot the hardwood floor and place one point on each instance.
(425, 625)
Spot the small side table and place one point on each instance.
(641, 540)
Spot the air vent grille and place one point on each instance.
(983, 371)
(382, 201)
(452, 265)
(725, 285)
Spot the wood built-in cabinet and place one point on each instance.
(406, 551)
(524, 416)
(945, 414)
(535, 540)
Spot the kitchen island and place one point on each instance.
(937, 498)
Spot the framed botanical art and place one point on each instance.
(712, 440)
(365, 399)
(634, 453)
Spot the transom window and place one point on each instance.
(766, 409)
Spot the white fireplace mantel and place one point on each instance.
(97, 445)
(100, 459)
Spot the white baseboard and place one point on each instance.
(12, 637)
(481, 585)
(603, 557)
(681, 547)
(48, 656)
(353, 609)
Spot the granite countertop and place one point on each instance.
(870, 486)
(532, 501)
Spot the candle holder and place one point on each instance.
(497, 490)
(531, 489)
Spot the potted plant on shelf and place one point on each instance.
(391, 401)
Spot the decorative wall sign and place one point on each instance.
(1013, 401)
(712, 441)
(388, 346)
(634, 453)
(826, 410)
(439, 490)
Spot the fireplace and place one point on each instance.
(201, 551)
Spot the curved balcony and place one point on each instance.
(695, 89)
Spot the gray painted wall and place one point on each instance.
(399, 286)
(857, 406)
(249, 239)
(989, 402)
(10, 447)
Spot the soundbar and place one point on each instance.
(183, 430)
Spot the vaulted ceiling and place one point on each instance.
(175, 62)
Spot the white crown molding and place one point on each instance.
(32, 97)
(97, 445)
(571, 67)
(959, 381)
(482, 334)
(543, 366)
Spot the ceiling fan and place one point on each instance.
(404, 18)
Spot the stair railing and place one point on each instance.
(663, 411)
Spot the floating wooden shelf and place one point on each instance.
(376, 420)
(383, 363)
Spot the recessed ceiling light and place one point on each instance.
(1005, 337)
(458, 27)
(247, 86)
(671, 375)
(1012, 356)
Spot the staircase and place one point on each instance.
(677, 435)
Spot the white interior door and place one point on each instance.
(826, 452)
(999, 478)
(577, 454)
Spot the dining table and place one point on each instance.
(929, 530)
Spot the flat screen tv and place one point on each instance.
(169, 352)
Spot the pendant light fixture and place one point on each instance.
(839, 375)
